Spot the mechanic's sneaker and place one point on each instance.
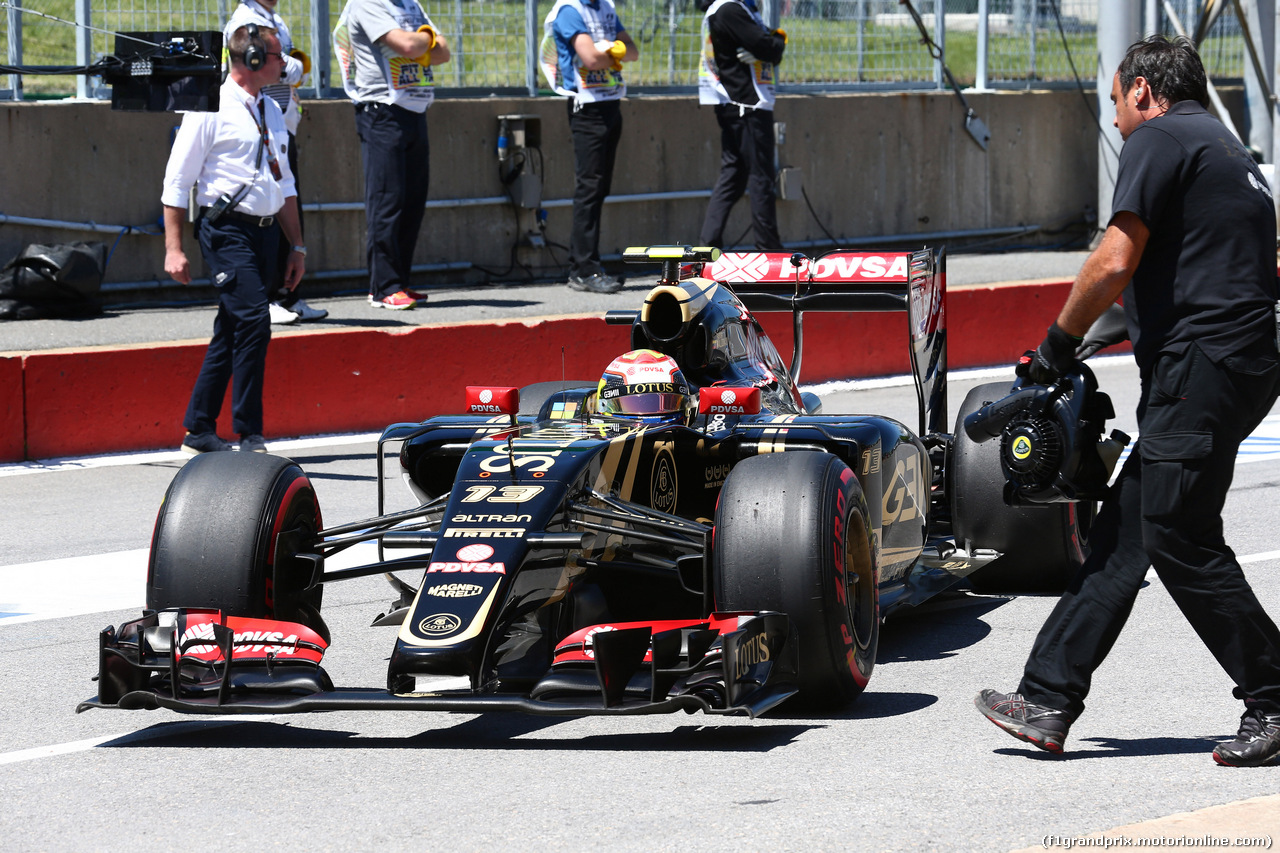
(1257, 744)
(306, 313)
(398, 301)
(595, 283)
(253, 444)
(420, 297)
(281, 316)
(1036, 724)
(204, 442)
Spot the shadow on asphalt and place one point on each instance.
(1108, 747)
(491, 731)
(937, 629)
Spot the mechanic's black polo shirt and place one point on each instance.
(1208, 273)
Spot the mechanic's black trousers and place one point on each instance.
(239, 257)
(396, 154)
(1165, 511)
(596, 129)
(746, 162)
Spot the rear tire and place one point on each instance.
(215, 542)
(792, 535)
(1042, 546)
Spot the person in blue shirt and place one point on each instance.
(590, 45)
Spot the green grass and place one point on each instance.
(489, 46)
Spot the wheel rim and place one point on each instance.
(861, 582)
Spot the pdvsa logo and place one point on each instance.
(470, 558)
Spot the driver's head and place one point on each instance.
(647, 387)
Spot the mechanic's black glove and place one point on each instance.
(1108, 330)
(1055, 356)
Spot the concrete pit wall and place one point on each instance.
(872, 164)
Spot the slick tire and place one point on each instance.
(227, 538)
(1042, 546)
(792, 535)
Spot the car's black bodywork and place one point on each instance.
(577, 565)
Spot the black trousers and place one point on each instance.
(596, 129)
(395, 153)
(240, 257)
(1165, 511)
(746, 162)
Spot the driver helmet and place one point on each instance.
(645, 386)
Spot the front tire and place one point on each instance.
(792, 534)
(227, 538)
(1042, 546)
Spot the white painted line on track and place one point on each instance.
(100, 583)
(73, 586)
(81, 463)
(56, 749)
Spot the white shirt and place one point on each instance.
(218, 153)
(283, 93)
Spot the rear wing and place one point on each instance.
(912, 282)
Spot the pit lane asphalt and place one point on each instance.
(909, 766)
(140, 324)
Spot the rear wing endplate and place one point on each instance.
(913, 282)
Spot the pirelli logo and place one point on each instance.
(484, 532)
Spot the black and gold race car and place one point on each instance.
(691, 532)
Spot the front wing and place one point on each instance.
(726, 664)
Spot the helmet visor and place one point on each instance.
(645, 404)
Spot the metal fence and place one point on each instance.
(834, 44)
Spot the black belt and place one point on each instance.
(258, 221)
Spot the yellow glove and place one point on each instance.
(780, 31)
(304, 59)
(617, 50)
(429, 30)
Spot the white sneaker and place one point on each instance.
(305, 312)
(281, 316)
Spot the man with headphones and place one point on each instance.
(386, 49)
(237, 161)
(287, 306)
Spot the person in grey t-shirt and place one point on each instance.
(386, 49)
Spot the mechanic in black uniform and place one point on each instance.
(739, 59)
(1192, 245)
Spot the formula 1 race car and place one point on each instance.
(689, 532)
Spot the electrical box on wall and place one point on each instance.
(790, 185)
(519, 152)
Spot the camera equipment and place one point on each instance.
(165, 71)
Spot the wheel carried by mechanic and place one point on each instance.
(1042, 546)
(792, 534)
(228, 536)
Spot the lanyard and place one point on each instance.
(264, 141)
